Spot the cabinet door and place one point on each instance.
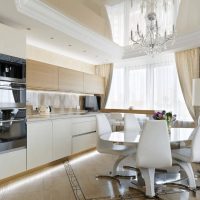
(13, 41)
(83, 125)
(70, 80)
(83, 142)
(61, 138)
(41, 75)
(12, 163)
(39, 143)
(83, 133)
(93, 84)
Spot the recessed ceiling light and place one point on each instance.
(51, 38)
(28, 29)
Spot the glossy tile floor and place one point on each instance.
(75, 180)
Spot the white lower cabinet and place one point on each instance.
(12, 163)
(39, 143)
(53, 139)
(83, 142)
(61, 138)
(83, 133)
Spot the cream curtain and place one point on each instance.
(106, 71)
(187, 63)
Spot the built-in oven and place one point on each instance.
(12, 95)
(13, 130)
(12, 69)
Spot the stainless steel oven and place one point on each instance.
(12, 95)
(13, 130)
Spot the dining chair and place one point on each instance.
(117, 121)
(153, 152)
(131, 123)
(107, 147)
(185, 156)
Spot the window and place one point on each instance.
(148, 84)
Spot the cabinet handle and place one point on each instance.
(12, 120)
(83, 134)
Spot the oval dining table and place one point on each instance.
(177, 137)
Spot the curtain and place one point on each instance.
(187, 63)
(106, 71)
(148, 83)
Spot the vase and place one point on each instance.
(169, 125)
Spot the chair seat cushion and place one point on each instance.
(183, 154)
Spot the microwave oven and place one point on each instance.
(12, 69)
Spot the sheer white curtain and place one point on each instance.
(148, 84)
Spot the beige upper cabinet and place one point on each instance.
(93, 84)
(70, 80)
(45, 76)
(41, 75)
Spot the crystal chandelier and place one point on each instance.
(153, 24)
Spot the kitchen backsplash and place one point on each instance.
(54, 99)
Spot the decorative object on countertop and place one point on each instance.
(168, 116)
(44, 110)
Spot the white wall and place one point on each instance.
(13, 41)
(42, 55)
(188, 19)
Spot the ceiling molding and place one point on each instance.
(43, 13)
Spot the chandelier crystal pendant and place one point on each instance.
(152, 24)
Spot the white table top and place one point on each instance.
(176, 135)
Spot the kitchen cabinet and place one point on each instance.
(83, 133)
(41, 75)
(13, 41)
(39, 143)
(12, 162)
(61, 138)
(93, 84)
(45, 76)
(84, 142)
(53, 139)
(70, 80)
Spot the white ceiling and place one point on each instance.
(43, 36)
(55, 32)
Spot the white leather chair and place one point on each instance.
(103, 146)
(185, 156)
(153, 152)
(117, 121)
(131, 123)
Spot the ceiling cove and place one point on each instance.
(46, 15)
(43, 13)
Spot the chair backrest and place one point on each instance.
(116, 116)
(195, 145)
(131, 123)
(154, 146)
(103, 125)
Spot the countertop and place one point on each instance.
(51, 116)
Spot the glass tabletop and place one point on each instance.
(176, 135)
